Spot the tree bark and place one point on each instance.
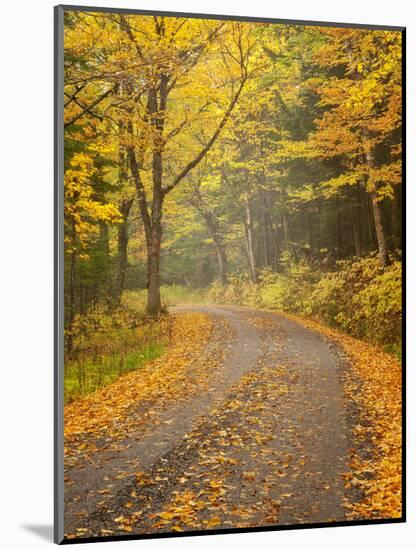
(395, 220)
(248, 224)
(122, 243)
(222, 263)
(71, 315)
(273, 248)
(381, 237)
(287, 236)
(357, 238)
(154, 303)
(214, 229)
(372, 242)
(338, 230)
(378, 219)
(357, 224)
(276, 245)
(156, 112)
(266, 248)
(213, 225)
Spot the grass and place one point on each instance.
(107, 345)
(170, 294)
(85, 376)
(175, 294)
(394, 349)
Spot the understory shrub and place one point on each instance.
(108, 343)
(358, 296)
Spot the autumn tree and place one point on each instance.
(362, 125)
(224, 148)
(165, 122)
(83, 214)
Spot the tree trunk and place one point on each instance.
(222, 263)
(287, 237)
(274, 232)
(71, 316)
(248, 224)
(309, 232)
(104, 288)
(214, 228)
(381, 237)
(338, 230)
(357, 239)
(122, 243)
(395, 220)
(370, 222)
(356, 225)
(266, 248)
(153, 233)
(154, 303)
(220, 251)
(358, 222)
(378, 220)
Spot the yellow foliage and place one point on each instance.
(379, 399)
(82, 211)
(106, 411)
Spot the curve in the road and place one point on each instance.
(312, 418)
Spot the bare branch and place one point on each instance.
(88, 108)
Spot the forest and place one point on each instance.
(232, 274)
(227, 162)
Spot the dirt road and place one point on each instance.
(265, 443)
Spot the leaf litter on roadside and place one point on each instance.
(375, 386)
(106, 411)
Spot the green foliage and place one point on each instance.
(171, 295)
(109, 343)
(362, 299)
(290, 290)
(101, 328)
(301, 167)
(240, 290)
(374, 297)
(174, 294)
(134, 300)
(85, 376)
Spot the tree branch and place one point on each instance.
(77, 102)
(210, 143)
(88, 108)
(73, 96)
(141, 194)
